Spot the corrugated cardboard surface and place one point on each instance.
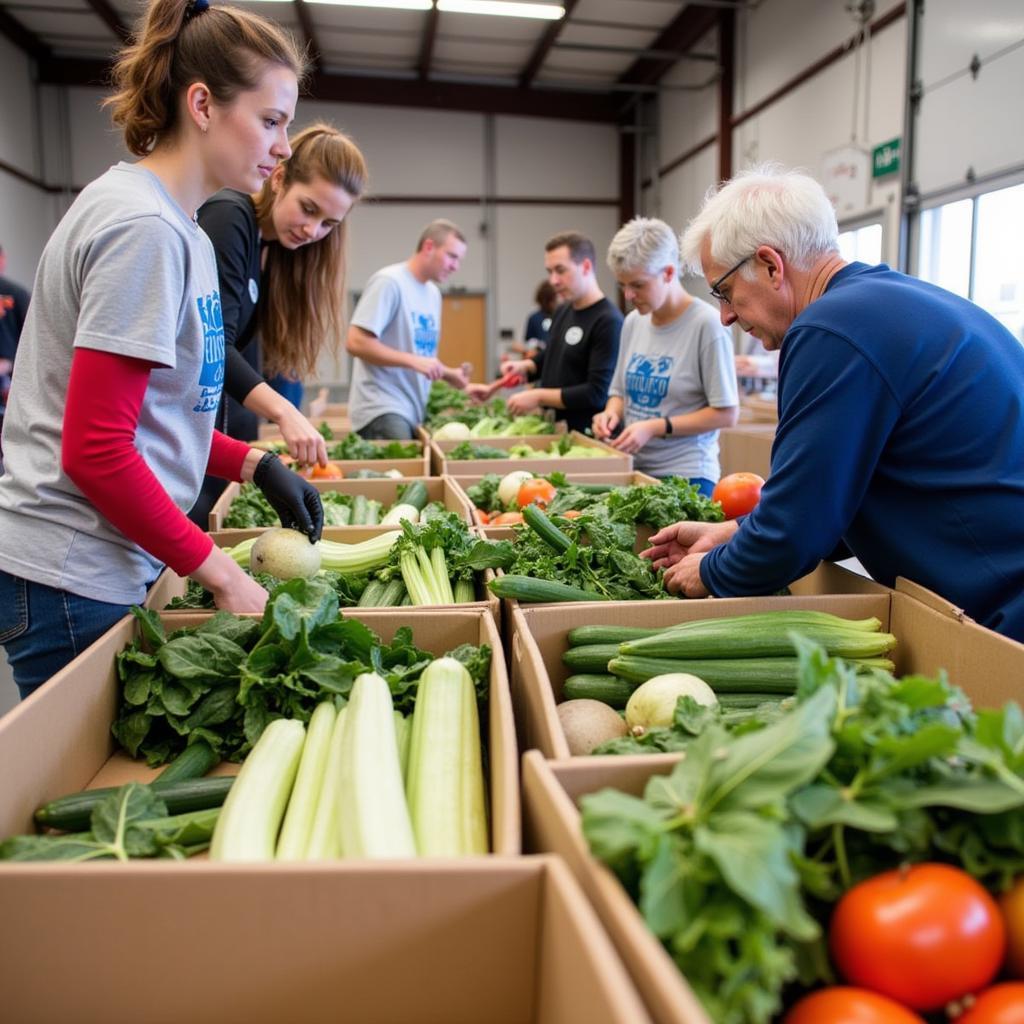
(613, 461)
(931, 637)
(58, 741)
(384, 491)
(746, 449)
(439, 942)
(338, 422)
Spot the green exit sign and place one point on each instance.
(885, 159)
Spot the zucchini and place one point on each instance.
(545, 529)
(609, 690)
(591, 658)
(737, 675)
(401, 511)
(393, 593)
(582, 635)
(372, 595)
(373, 508)
(72, 813)
(414, 494)
(192, 763)
(526, 588)
(360, 510)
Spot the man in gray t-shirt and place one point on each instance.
(394, 334)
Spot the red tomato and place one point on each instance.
(506, 519)
(1012, 905)
(738, 493)
(483, 516)
(923, 936)
(332, 471)
(535, 492)
(843, 1005)
(1000, 1004)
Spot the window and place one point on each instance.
(972, 247)
(862, 243)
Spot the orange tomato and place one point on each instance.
(924, 936)
(535, 492)
(332, 471)
(483, 516)
(572, 513)
(738, 493)
(843, 1005)
(1011, 904)
(1000, 1004)
(506, 519)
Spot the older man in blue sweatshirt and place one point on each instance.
(901, 415)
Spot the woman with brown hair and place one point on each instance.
(109, 428)
(281, 264)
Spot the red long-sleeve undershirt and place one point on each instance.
(98, 453)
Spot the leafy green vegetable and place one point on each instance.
(466, 450)
(348, 588)
(735, 857)
(225, 680)
(352, 446)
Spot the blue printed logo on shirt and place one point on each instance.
(647, 379)
(211, 377)
(424, 334)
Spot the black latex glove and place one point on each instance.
(295, 500)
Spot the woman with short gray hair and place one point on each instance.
(675, 379)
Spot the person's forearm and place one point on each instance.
(372, 350)
(549, 397)
(615, 406)
(702, 421)
(266, 402)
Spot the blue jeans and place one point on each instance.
(703, 484)
(388, 427)
(43, 628)
(288, 388)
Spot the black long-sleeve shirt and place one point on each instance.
(583, 345)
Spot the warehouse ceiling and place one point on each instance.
(590, 64)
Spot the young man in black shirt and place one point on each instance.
(575, 370)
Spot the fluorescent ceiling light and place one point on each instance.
(505, 8)
(404, 5)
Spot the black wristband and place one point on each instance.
(261, 468)
(668, 426)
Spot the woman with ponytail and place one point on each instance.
(109, 427)
(281, 265)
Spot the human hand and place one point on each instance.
(305, 442)
(233, 589)
(673, 543)
(432, 369)
(522, 403)
(604, 424)
(635, 436)
(318, 407)
(478, 393)
(295, 500)
(521, 366)
(6, 367)
(456, 376)
(684, 577)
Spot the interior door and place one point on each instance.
(464, 332)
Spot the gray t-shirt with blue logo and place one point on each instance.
(671, 370)
(126, 272)
(404, 313)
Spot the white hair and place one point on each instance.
(763, 205)
(646, 244)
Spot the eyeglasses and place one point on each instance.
(715, 293)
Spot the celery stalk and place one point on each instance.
(428, 575)
(442, 584)
(324, 839)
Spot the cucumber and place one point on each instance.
(414, 494)
(371, 596)
(360, 509)
(609, 690)
(726, 675)
(526, 588)
(72, 813)
(192, 763)
(393, 594)
(582, 635)
(373, 508)
(545, 529)
(592, 658)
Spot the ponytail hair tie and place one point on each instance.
(194, 8)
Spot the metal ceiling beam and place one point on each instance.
(679, 36)
(543, 47)
(427, 45)
(26, 41)
(111, 19)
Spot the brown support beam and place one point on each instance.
(309, 33)
(727, 62)
(111, 19)
(427, 45)
(26, 41)
(679, 36)
(543, 47)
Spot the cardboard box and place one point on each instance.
(621, 479)
(747, 449)
(59, 741)
(419, 466)
(339, 424)
(384, 491)
(539, 636)
(170, 585)
(502, 941)
(612, 462)
(932, 635)
(757, 409)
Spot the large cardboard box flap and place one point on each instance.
(610, 460)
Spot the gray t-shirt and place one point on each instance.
(671, 370)
(127, 272)
(405, 314)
